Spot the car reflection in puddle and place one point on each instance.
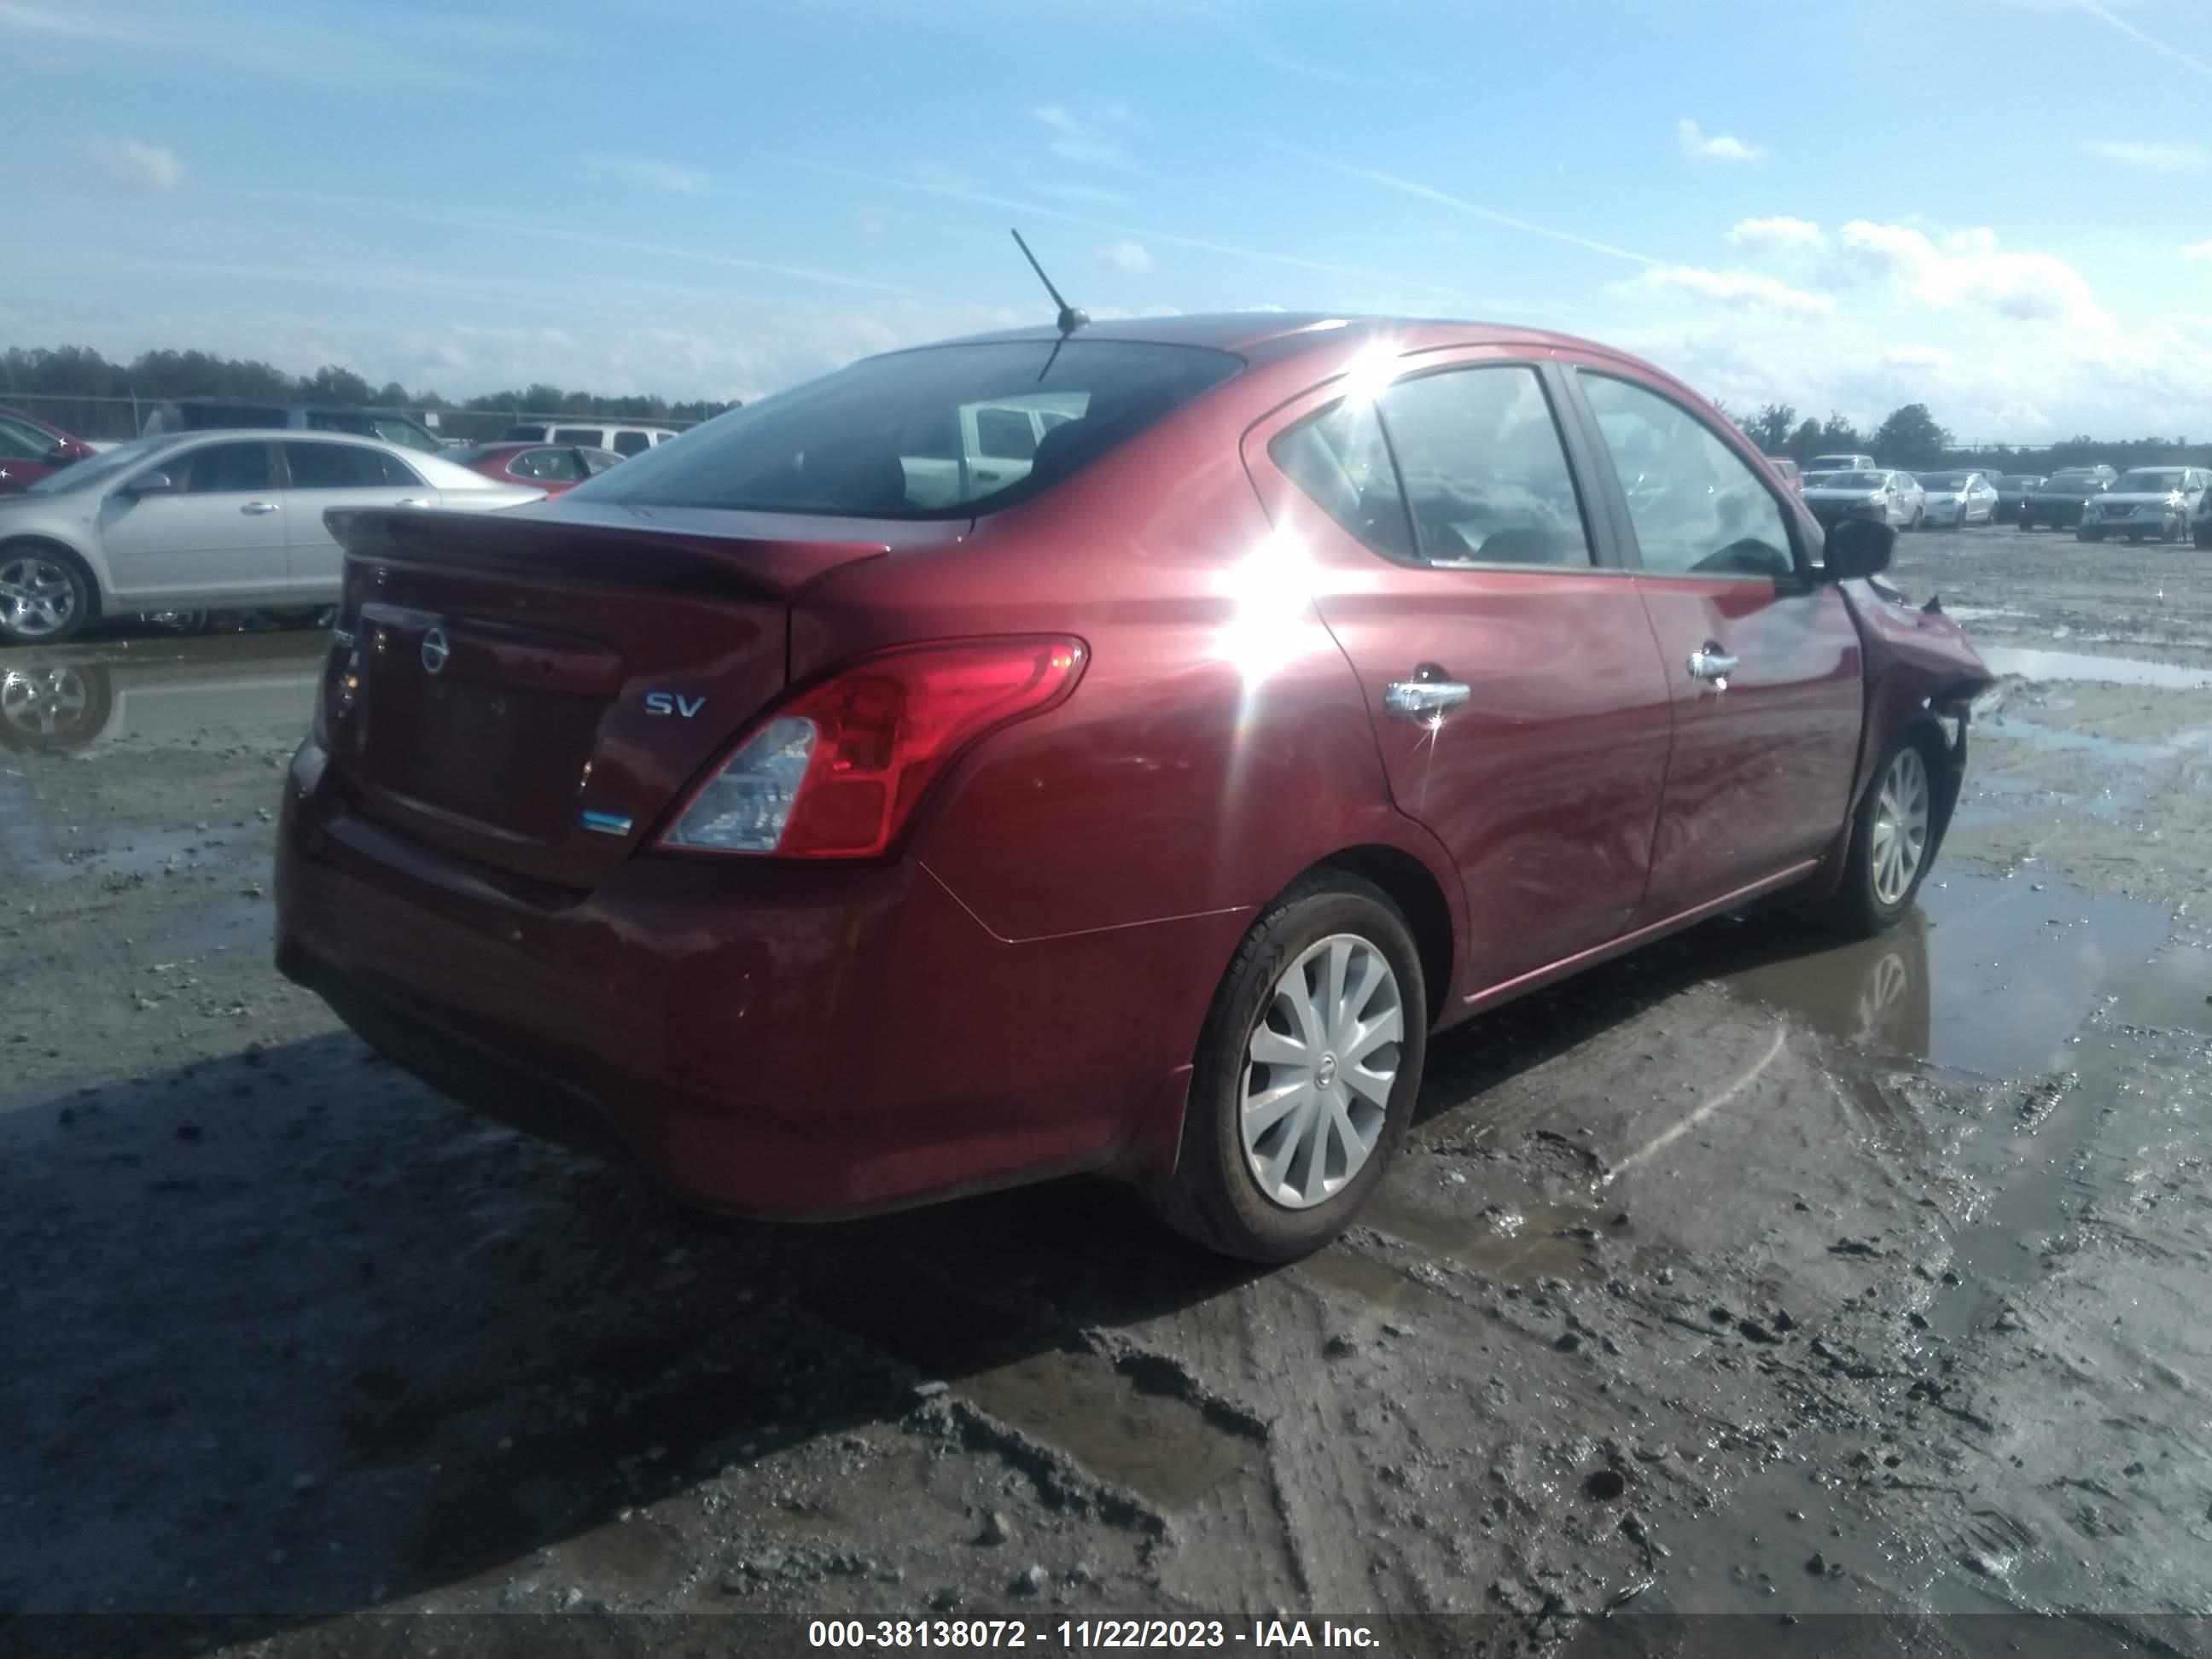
(163, 691)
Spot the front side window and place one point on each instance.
(1004, 433)
(859, 442)
(406, 434)
(222, 467)
(1483, 468)
(1337, 456)
(1697, 509)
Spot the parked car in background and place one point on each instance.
(1842, 464)
(742, 807)
(2058, 500)
(1788, 469)
(554, 468)
(60, 700)
(205, 521)
(1956, 499)
(30, 449)
(1891, 498)
(2014, 489)
(625, 438)
(2201, 532)
(228, 414)
(2145, 501)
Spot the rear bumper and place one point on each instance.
(776, 1041)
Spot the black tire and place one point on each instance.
(2134, 538)
(81, 598)
(1919, 518)
(2088, 535)
(1857, 907)
(2203, 537)
(1213, 1197)
(2026, 524)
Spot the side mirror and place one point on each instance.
(1857, 548)
(152, 483)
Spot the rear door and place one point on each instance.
(217, 538)
(322, 475)
(1763, 662)
(1516, 696)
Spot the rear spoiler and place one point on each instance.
(629, 555)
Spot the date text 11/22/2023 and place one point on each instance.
(1261, 1635)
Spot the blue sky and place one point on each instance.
(2002, 208)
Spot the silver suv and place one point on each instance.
(2147, 501)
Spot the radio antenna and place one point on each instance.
(1070, 318)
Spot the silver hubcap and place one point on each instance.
(36, 598)
(43, 703)
(1319, 1071)
(1900, 826)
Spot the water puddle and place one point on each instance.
(1516, 1241)
(1989, 975)
(2059, 740)
(159, 691)
(2112, 805)
(1374, 1283)
(2035, 664)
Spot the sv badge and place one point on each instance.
(673, 702)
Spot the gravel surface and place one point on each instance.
(1745, 1275)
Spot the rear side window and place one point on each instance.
(527, 433)
(1483, 468)
(223, 467)
(205, 417)
(343, 467)
(597, 461)
(1697, 508)
(578, 435)
(631, 443)
(19, 443)
(869, 441)
(1337, 456)
(548, 465)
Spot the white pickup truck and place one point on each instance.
(997, 441)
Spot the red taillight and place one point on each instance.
(836, 772)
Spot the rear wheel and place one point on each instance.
(44, 597)
(1307, 1070)
(2204, 535)
(1892, 837)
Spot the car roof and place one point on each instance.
(1248, 331)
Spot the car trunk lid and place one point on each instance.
(532, 690)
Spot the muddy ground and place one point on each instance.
(1743, 1276)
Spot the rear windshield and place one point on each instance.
(1854, 480)
(923, 435)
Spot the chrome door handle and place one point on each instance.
(1712, 664)
(1412, 699)
(258, 508)
(411, 500)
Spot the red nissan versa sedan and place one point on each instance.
(1117, 752)
(556, 469)
(30, 449)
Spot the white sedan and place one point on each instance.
(203, 521)
(1959, 499)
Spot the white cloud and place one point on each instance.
(648, 175)
(1732, 290)
(1073, 139)
(135, 166)
(1779, 235)
(1126, 256)
(2155, 157)
(1968, 270)
(313, 52)
(2197, 251)
(1713, 146)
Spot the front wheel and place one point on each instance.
(1307, 1070)
(44, 597)
(1893, 842)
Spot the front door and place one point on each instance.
(1510, 674)
(1763, 662)
(217, 538)
(334, 473)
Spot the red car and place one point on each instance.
(554, 468)
(30, 449)
(1116, 752)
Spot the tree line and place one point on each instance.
(154, 376)
(1911, 437)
